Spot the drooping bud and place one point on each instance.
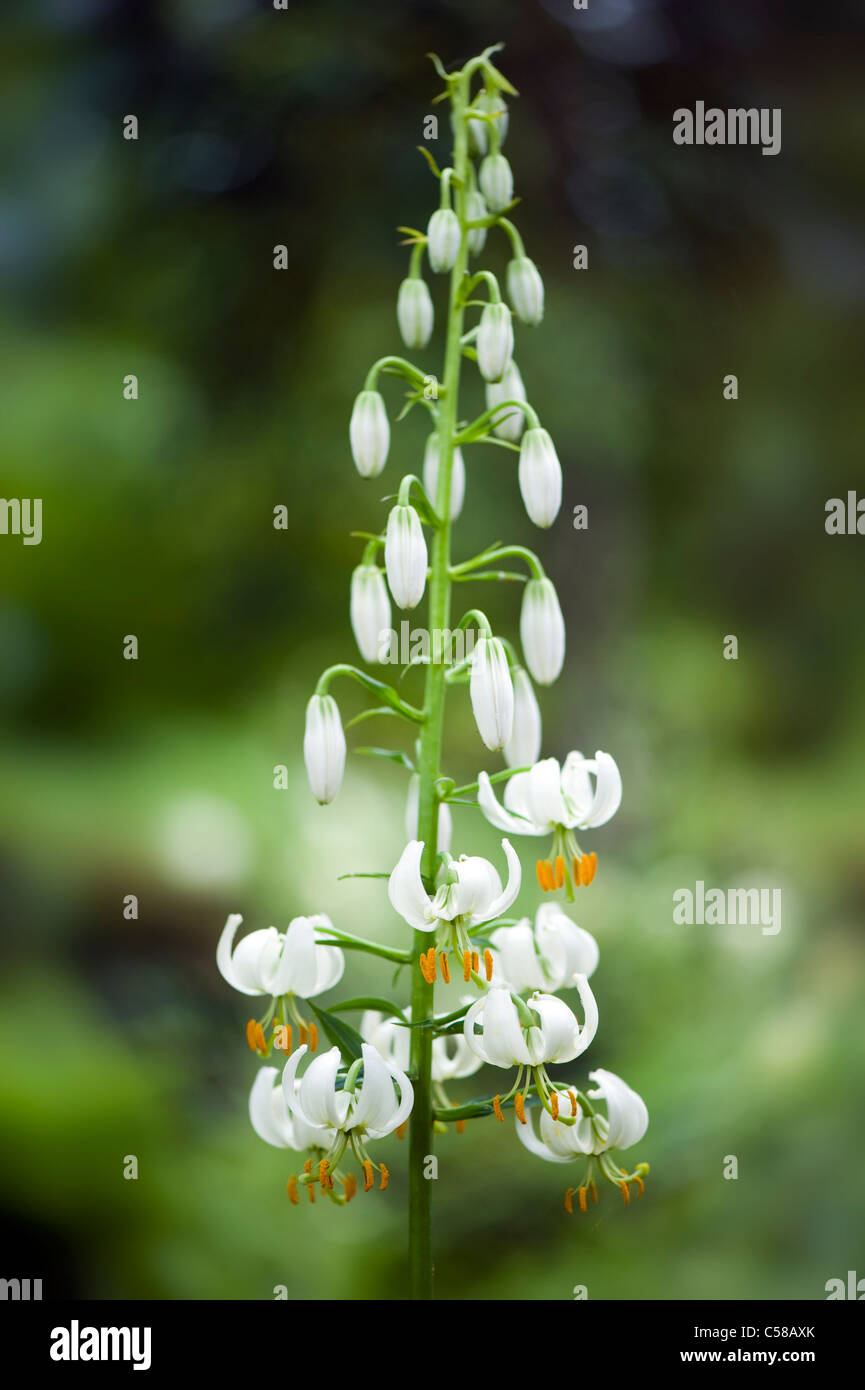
(369, 433)
(526, 290)
(443, 239)
(431, 475)
(414, 312)
(369, 611)
(540, 475)
(492, 692)
(405, 556)
(476, 209)
(510, 388)
(492, 102)
(542, 630)
(523, 748)
(324, 748)
(496, 181)
(495, 341)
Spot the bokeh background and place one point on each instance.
(706, 518)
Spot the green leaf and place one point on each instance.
(342, 876)
(341, 1034)
(370, 1001)
(393, 755)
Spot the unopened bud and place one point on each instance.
(510, 388)
(492, 692)
(542, 630)
(476, 209)
(324, 748)
(526, 290)
(405, 556)
(414, 312)
(369, 611)
(540, 475)
(431, 475)
(495, 341)
(523, 748)
(496, 181)
(443, 239)
(369, 433)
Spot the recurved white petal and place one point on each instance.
(405, 888)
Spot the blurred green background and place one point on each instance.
(155, 777)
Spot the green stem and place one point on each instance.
(422, 998)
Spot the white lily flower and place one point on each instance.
(495, 341)
(271, 962)
(431, 475)
(546, 956)
(324, 748)
(369, 434)
(524, 745)
(510, 388)
(570, 1130)
(370, 611)
(540, 477)
(414, 312)
(476, 210)
(452, 1058)
(497, 181)
(508, 1040)
(525, 290)
(377, 1106)
(492, 692)
(443, 239)
(470, 895)
(412, 805)
(552, 800)
(542, 630)
(405, 556)
(270, 1116)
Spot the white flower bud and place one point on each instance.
(542, 631)
(405, 556)
(510, 388)
(431, 475)
(493, 101)
(414, 312)
(478, 137)
(495, 341)
(369, 433)
(476, 208)
(370, 611)
(526, 290)
(492, 692)
(540, 475)
(523, 748)
(496, 181)
(443, 239)
(324, 748)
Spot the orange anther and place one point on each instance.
(488, 964)
(582, 1197)
(444, 967)
(641, 1186)
(460, 1125)
(467, 966)
(260, 1039)
(424, 968)
(349, 1186)
(554, 1104)
(476, 962)
(575, 873)
(573, 1099)
(560, 871)
(313, 1037)
(626, 1193)
(283, 1038)
(569, 1201)
(368, 1178)
(431, 961)
(310, 1192)
(291, 1189)
(588, 868)
(303, 1035)
(384, 1178)
(401, 1129)
(520, 1108)
(497, 1107)
(593, 1190)
(307, 1167)
(323, 1178)
(250, 1035)
(542, 878)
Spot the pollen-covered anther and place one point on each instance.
(497, 1107)
(310, 1192)
(572, 1096)
(349, 1185)
(283, 1038)
(582, 1197)
(641, 1186)
(467, 966)
(626, 1193)
(476, 962)
(429, 975)
(575, 872)
(385, 1175)
(307, 1167)
(460, 1126)
(520, 1108)
(291, 1189)
(593, 1191)
(250, 1035)
(588, 868)
(569, 1200)
(554, 1104)
(444, 967)
(401, 1129)
(546, 876)
(260, 1039)
(488, 964)
(304, 1034)
(324, 1179)
(368, 1177)
(313, 1037)
(560, 871)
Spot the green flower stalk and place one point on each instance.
(337, 1104)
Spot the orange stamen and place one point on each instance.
(497, 1107)
(260, 1039)
(476, 962)
(284, 1032)
(593, 1190)
(588, 868)
(349, 1186)
(431, 962)
(307, 1167)
(641, 1186)
(384, 1177)
(560, 871)
(488, 964)
(424, 968)
(250, 1035)
(401, 1129)
(573, 1099)
(582, 1197)
(554, 1104)
(542, 878)
(310, 1192)
(569, 1201)
(626, 1193)
(368, 1178)
(291, 1189)
(313, 1037)
(467, 966)
(303, 1035)
(460, 1126)
(323, 1179)
(520, 1107)
(575, 873)
(444, 967)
